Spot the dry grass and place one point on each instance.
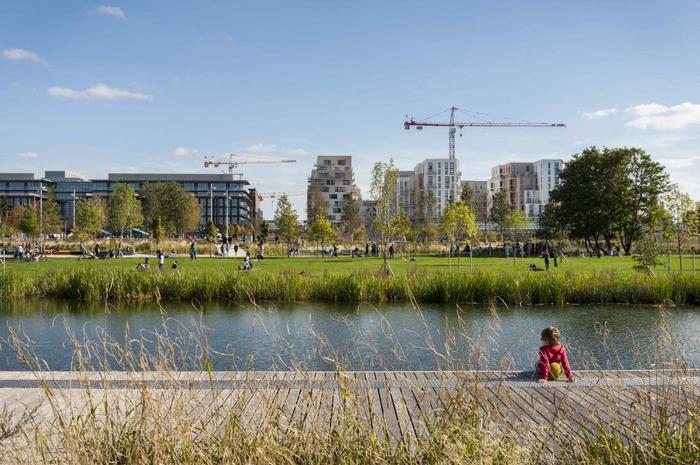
(163, 415)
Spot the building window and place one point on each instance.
(342, 162)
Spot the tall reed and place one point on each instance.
(237, 286)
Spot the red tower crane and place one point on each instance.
(453, 125)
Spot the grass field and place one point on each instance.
(318, 265)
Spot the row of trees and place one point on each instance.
(165, 209)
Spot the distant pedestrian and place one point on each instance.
(391, 251)
(193, 251)
(554, 253)
(545, 255)
(161, 259)
(366, 249)
(235, 250)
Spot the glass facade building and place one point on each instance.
(222, 198)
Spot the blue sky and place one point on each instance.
(154, 86)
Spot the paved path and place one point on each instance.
(395, 403)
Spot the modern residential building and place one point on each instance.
(331, 183)
(481, 194)
(223, 199)
(405, 196)
(436, 181)
(527, 185)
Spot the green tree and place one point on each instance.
(683, 219)
(316, 206)
(123, 210)
(646, 181)
(468, 197)
(609, 193)
(287, 221)
(513, 221)
(11, 218)
(500, 208)
(263, 232)
(177, 209)
(402, 227)
(157, 232)
(457, 224)
(549, 227)
(90, 217)
(51, 213)
(211, 231)
(321, 230)
(29, 222)
(383, 191)
(352, 221)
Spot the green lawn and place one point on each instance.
(317, 265)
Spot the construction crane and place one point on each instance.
(273, 195)
(453, 125)
(232, 163)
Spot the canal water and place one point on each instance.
(59, 335)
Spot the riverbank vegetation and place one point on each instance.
(196, 418)
(436, 287)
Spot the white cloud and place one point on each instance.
(683, 162)
(600, 113)
(263, 148)
(111, 11)
(22, 54)
(185, 151)
(656, 116)
(98, 91)
(28, 155)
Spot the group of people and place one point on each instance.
(98, 252)
(24, 251)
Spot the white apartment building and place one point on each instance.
(405, 197)
(439, 176)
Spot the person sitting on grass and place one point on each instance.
(553, 359)
(174, 266)
(247, 264)
(143, 266)
(534, 267)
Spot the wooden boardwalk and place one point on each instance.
(395, 404)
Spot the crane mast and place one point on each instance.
(453, 125)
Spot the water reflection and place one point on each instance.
(321, 336)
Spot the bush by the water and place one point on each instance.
(480, 287)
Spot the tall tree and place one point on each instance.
(457, 224)
(177, 209)
(11, 218)
(468, 197)
(29, 222)
(609, 193)
(684, 220)
(383, 191)
(645, 182)
(123, 209)
(500, 208)
(316, 206)
(321, 230)
(287, 221)
(157, 232)
(352, 221)
(51, 213)
(90, 217)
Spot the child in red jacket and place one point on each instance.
(553, 357)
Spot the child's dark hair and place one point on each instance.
(551, 335)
